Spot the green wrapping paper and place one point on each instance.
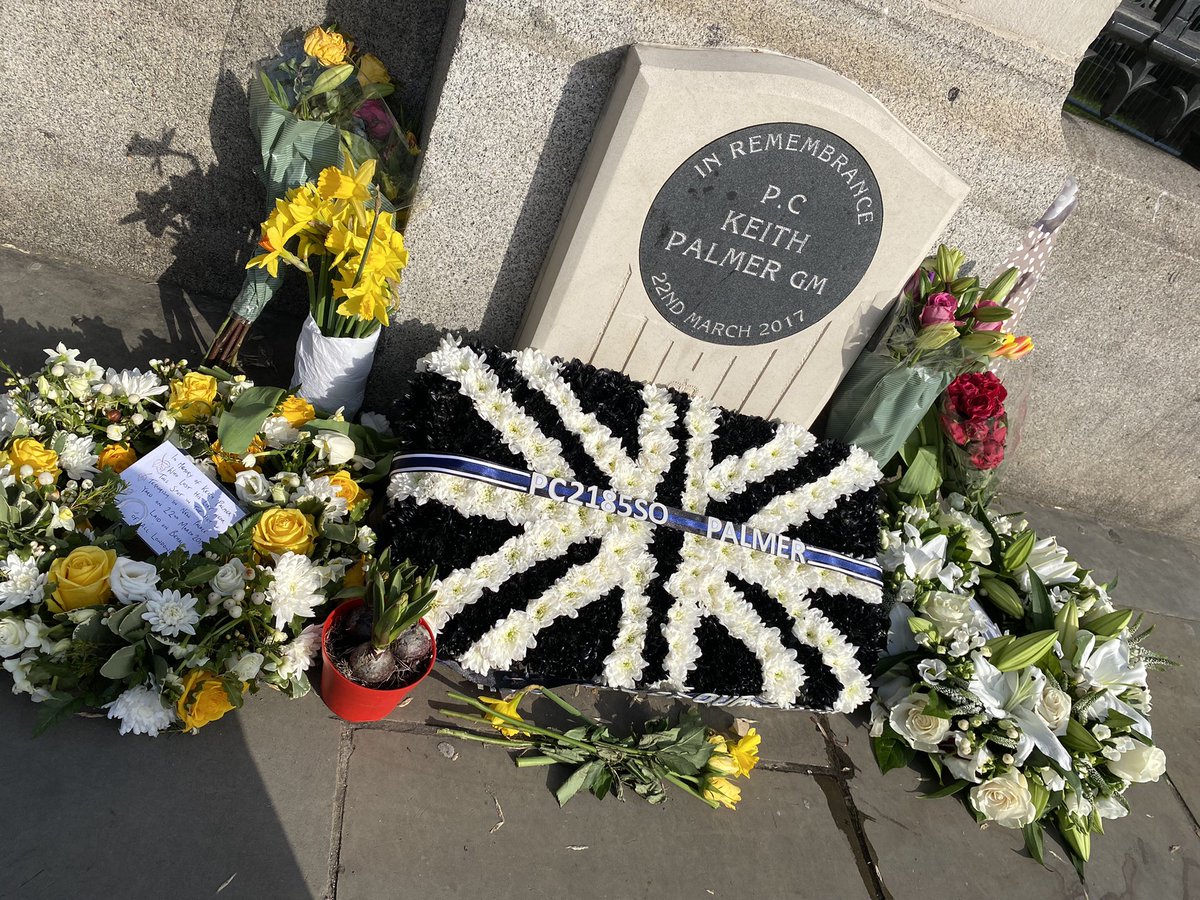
(880, 401)
(294, 151)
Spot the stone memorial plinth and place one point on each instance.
(738, 228)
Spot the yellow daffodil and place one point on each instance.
(745, 752)
(344, 241)
(369, 299)
(722, 791)
(276, 232)
(508, 708)
(351, 184)
(720, 762)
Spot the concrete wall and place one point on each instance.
(126, 141)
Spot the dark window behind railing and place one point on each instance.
(1142, 75)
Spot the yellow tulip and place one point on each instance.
(722, 791)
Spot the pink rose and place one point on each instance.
(987, 326)
(939, 310)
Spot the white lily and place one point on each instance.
(1014, 695)
(1105, 665)
(1050, 562)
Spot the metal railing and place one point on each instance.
(1142, 74)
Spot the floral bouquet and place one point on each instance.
(943, 326)
(315, 105)
(91, 617)
(352, 255)
(1012, 674)
(696, 759)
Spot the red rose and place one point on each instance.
(955, 429)
(987, 455)
(976, 396)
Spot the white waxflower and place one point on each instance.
(23, 583)
(133, 581)
(141, 710)
(171, 613)
(132, 385)
(334, 447)
(19, 668)
(295, 588)
(78, 457)
(279, 432)
(229, 578)
(251, 487)
(245, 666)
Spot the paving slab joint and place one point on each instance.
(341, 779)
(846, 816)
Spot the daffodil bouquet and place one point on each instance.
(696, 759)
(336, 232)
(92, 617)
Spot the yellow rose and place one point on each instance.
(347, 487)
(371, 70)
(117, 457)
(81, 578)
(204, 699)
(192, 397)
(298, 411)
(326, 47)
(33, 453)
(280, 530)
(229, 464)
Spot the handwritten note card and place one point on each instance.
(173, 503)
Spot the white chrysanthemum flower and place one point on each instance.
(295, 588)
(78, 457)
(320, 489)
(23, 582)
(279, 432)
(141, 710)
(133, 385)
(171, 613)
(300, 654)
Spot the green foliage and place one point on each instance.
(245, 417)
(398, 598)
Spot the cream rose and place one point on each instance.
(947, 611)
(1005, 800)
(923, 732)
(132, 581)
(1140, 764)
(251, 487)
(1054, 706)
(229, 578)
(12, 637)
(246, 666)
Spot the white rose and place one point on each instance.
(1054, 706)
(1142, 763)
(246, 666)
(337, 448)
(1005, 800)
(12, 637)
(251, 487)
(229, 578)
(921, 731)
(133, 581)
(947, 611)
(931, 670)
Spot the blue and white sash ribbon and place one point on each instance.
(609, 501)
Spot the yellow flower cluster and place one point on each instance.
(365, 253)
(730, 759)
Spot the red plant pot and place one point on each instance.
(352, 701)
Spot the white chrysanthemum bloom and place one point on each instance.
(141, 710)
(171, 613)
(299, 654)
(132, 385)
(278, 432)
(320, 489)
(295, 588)
(23, 582)
(78, 457)
(133, 581)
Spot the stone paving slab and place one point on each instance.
(89, 813)
(420, 825)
